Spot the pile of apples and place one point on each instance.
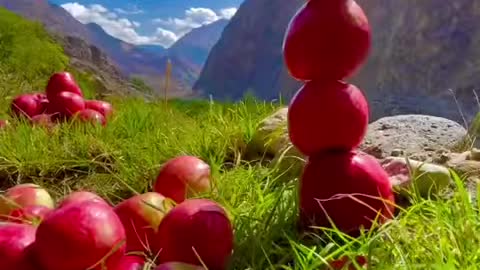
(164, 228)
(325, 43)
(63, 100)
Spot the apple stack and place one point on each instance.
(165, 227)
(326, 42)
(63, 100)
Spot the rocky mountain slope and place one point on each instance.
(88, 58)
(196, 45)
(420, 51)
(147, 62)
(248, 56)
(55, 18)
(83, 56)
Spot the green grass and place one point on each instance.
(127, 154)
(28, 56)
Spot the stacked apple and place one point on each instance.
(325, 43)
(83, 231)
(63, 100)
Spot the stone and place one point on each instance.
(406, 173)
(271, 141)
(271, 136)
(414, 134)
(475, 154)
(464, 164)
(397, 153)
(441, 158)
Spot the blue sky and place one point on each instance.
(141, 22)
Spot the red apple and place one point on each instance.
(42, 120)
(326, 40)
(345, 261)
(4, 123)
(91, 116)
(141, 215)
(24, 195)
(81, 196)
(29, 263)
(33, 214)
(100, 106)
(14, 241)
(42, 100)
(327, 181)
(29, 105)
(66, 104)
(196, 228)
(178, 266)
(327, 115)
(183, 176)
(62, 82)
(79, 236)
(130, 262)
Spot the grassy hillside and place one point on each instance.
(124, 158)
(28, 56)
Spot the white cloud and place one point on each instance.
(136, 24)
(121, 28)
(98, 8)
(112, 15)
(132, 10)
(168, 31)
(194, 17)
(228, 13)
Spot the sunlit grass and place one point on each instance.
(125, 157)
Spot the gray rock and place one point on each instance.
(418, 135)
(475, 154)
(397, 153)
(464, 164)
(271, 136)
(271, 142)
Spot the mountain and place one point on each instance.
(83, 56)
(55, 18)
(420, 51)
(147, 61)
(129, 58)
(187, 55)
(29, 55)
(88, 58)
(248, 56)
(196, 44)
(155, 49)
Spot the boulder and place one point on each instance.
(271, 142)
(271, 136)
(466, 164)
(419, 135)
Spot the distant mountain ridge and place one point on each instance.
(54, 17)
(196, 44)
(248, 56)
(145, 61)
(420, 50)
